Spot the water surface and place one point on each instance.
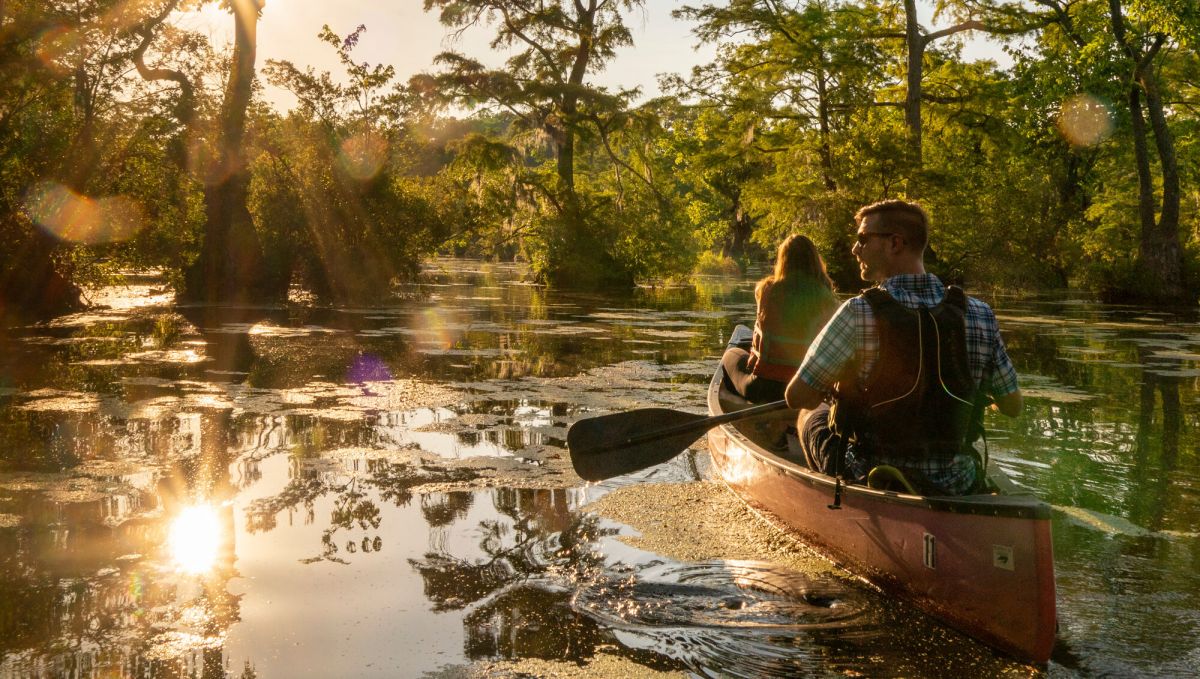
(302, 491)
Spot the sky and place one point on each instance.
(400, 33)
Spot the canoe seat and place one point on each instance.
(887, 477)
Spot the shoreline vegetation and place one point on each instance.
(128, 141)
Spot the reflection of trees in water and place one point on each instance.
(441, 509)
(1141, 582)
(304, 486)
(124, 624)
(518, 593)
(353, 506)
(352, 509)
(517, 596)
(1158, 431)
(229, 352)
(87, 585)
(34, 441)
(540, 533)
(530, 622)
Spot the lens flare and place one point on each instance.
(1085, 120)
(437, 329)
(68, 216)
(195, 539)
(54, 46)
(368, 368)
(363, 155)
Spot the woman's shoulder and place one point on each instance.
(801, 288)
(788, 298)
(763, 287)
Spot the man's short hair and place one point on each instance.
(907, 219)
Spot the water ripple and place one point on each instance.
(726, 618)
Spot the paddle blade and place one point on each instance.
(620, 443)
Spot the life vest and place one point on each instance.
(920, 401)
(786, 324)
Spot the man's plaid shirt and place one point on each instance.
(851, 338)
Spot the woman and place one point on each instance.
(793, 305)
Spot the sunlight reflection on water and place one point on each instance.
(195, 539)
(365, 536)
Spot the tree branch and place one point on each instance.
(971, 25)
(186, 107)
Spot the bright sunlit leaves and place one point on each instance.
(62, 48)
(1085, 120)
(70, 217)
(195, 539)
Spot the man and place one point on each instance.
(909, 365)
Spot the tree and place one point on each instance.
(916, 41)
(59, 63)
(332, 190)
(775, 110)
(557, 45)
(1128, 52)
(1145, 36)
(230, 266)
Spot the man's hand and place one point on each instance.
(1008, 404)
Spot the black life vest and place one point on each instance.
(920, 401)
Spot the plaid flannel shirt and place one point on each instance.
(851, 339)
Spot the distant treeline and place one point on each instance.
(129, 142)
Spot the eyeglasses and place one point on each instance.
(866, 235)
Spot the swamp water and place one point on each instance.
(384, 492)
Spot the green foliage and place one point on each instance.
(331, 192)
(573, 177)
(711, 264)
(797, 122)
(810, 96)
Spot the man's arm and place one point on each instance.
(1000, 376)
(800, 395)
(825, 361)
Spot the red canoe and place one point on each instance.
(983, 564)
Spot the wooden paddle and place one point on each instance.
(611, 445)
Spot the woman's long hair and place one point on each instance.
(796, 262)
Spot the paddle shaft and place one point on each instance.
(697, 426)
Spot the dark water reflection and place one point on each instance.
(384, 492)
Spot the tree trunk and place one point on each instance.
(740, 230)
(566, 165)
(580, 256)
(1141, 159)
(230, 266)
(1160, 258)
(570, 101)
(823, 121)
(1159, 249)
(915, 43)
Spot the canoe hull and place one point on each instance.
(982, 564)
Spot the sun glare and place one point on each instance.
(70, 217)
(1085, 120)
(363, 155)
(195, 539)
